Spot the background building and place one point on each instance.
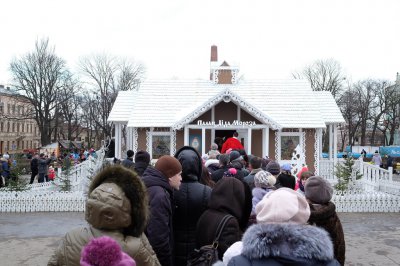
(18, 131)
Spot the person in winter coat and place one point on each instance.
(34, 168)
(43, 168)
(236, 161)
(229, 196)
(142, 161)
(318, 192)
(303, 179)
(5, 169)
(223, 167)
(128, 161)
(117, 206)
(281, 236)
(161, 182)
(190, 203)
(264, 182)
(255, 167)
(376, 159)
(285, 178)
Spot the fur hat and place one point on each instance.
(134, 190)
(104, 251)
(318, 190)
(264, 179)
(142, 156)
(283, 206)
(273, 167)
(168, 166)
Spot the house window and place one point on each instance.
(289, 146)
(159, 144)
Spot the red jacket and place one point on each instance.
(232, 143)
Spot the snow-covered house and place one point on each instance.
(282, 119)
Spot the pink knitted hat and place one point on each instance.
(104, 251)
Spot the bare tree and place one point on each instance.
(39, 76)
(323, 75)
(391, 121)
(350, 113)
(365, 94)
(106, 76)
(380, 106)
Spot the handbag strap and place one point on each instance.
(220, 227)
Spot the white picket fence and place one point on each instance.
(48, 197)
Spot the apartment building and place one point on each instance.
(18, 132)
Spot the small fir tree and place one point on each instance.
(346, 174)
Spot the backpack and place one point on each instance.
(207, 255)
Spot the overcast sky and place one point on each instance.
(268, 39)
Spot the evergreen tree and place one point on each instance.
(346, 174)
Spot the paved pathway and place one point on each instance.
(29, 238)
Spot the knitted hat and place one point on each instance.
(142, 156)
(264, 179)
(273, 167)
(168, 165)
(104, 251)
(286, 167)
(283, 206)
(318, 190)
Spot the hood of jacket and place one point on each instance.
(191, 163)
(117, 200)
(154, 178)
(237, 204)
(287, 240)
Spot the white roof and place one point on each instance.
(329, 109)
(174, 103)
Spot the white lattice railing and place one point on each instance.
(47, 197)
(53, 201)
(355, 201)
(327, 170)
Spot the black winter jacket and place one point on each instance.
(229, 196)
(190, 202)
(159, 230)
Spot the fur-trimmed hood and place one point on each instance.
(134, 190)
(299, 242)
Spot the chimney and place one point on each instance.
(214, 53)
(397, 78)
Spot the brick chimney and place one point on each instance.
(214, 53)
(213, 59)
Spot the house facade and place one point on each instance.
(281, 119)
(18, 132)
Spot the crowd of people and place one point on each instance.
(159, 215)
